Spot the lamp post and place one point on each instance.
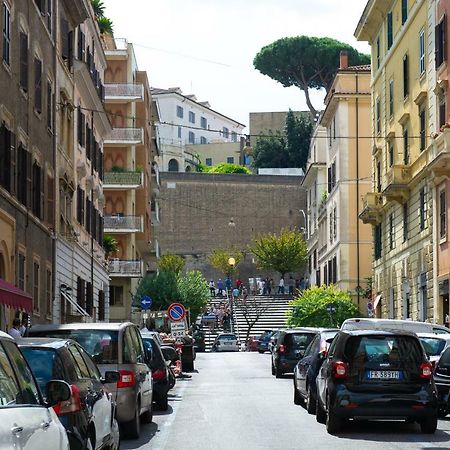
(231, 263)
(306, 223)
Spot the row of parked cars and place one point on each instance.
(81, 386)
(367, 369)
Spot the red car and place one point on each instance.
(252, 344)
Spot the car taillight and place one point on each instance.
(70, 406)
(426, 370)
(126, 379)
(340, 369)
(281, 349)
(159, 374)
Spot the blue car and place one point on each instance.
(263, 341)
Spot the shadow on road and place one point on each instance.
(168, 411)
(148, 432)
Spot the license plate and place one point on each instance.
(384, 374)
(227, 343)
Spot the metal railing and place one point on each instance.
(123, 178)
(123, 223)
(124, 90)
(125, 267)
(126, 135)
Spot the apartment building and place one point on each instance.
(338, 174)
(186, 125)
(129, 152)
(403, 197)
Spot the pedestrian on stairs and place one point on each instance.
(220, 287)
(212, 288)
(270, 285)
(291, 285)
(281, 286)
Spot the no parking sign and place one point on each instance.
(176, 312)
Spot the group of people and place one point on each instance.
(265, 286)
(18, 328)
(222, 316)
(237, 291)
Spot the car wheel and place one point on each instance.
(321, 415)
(89, 445)
(133, 427)
(147, 417)
(115, 436)
(429, 425)
(310, 401)
(298, 399)
(273, 369)
(333, 423)
(163, 403)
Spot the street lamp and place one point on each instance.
(306, 223)
(231, 263)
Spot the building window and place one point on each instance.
(180, 112)
(422, 52)
(405, 146)
(422, 132)
(179, 133)
(230, 160)
(390, 34)
(442, 215)
(21, 271)
(208, 162)
(378, 52)
(233, 136)
(38, 85)
(191, 137)
(422, 209)
(48, 292)
(405, 76)
(440, 43)
(378, 116)
(377, 241)
(23, 57)
(173, 165)
(378, 175)
(442, 108)
(391, 231)
(225, 132)
(49, 106)
(38, 190)
(116, 295)
(203, 122)
(391, 154)
(334, 127)
(36, 272)
(191, 117)
(101, 306)
(6, 34)
(404, 11)
(391, 98)
(203, 140)
(405, 222)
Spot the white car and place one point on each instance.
(26, 421)
(434, 344)
(393, 324)
(226, 342)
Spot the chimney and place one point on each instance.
(343, 60)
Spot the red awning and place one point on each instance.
(13, 296)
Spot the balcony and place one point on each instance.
(124, 92)
(372, 205)
(123, 180)
(125, 136)
(123, 224)
(396, 186)
(125, 268)
(440, 155)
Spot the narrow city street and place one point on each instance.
(232, 402)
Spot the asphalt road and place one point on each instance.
(234, 403)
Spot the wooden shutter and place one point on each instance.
(88, 141)
(38, 85)
(90, 298)
(29, 179)
(81, 45)
(23, 48)
(13, 164)
(88, 215)
(101, 305)
(50, 200)
(70, 49)
(64, 39)
(42, 195)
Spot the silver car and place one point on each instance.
(26, 422)
(114, 346)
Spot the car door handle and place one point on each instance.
(15, 430)
(45, 425)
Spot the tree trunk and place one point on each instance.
(312, 110)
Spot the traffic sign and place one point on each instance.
(331, 308)
(178, 329)
(146, 302)
(176, 312)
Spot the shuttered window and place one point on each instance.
(49, 106)
(405, 76)
(38, 85)
(440, 41)
(88, 223)
(6, 31)
(81, 292)
(23, 76)
(89, 298)
(101, 306)
(80, 205)
(50, 200)
(81, 45)
(390, 34)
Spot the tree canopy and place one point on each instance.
(309, 309)
(219, 260)
(288, 150)
(306, 62)
(194, 292)
(162, 288)
(171, 263)
(284, 253)
(223, 168)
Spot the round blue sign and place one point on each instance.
(176, 312)
(146, 302)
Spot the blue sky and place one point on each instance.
(206, 47)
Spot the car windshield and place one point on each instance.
(102, 345)
(433, 346)
(227, 337)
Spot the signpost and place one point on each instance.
(146, 302)
(178, 329)
(331, 308)
(176, 312)
(370, 309)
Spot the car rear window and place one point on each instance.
(102, 345)
(444, 360)
(228, 337)
(432, 346)
(45, 364)
(297, 341)
(152, 347)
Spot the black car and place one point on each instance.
(376, 375)
(160, 371)
(308, 367)
(442, 380)
(89, 415)
(263, 341)
(289, 349)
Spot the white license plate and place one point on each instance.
(384, 374)
(227, 343)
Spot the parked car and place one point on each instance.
(252, 344)
(263, 341)
(289, 349)
(27, 422)
(393, 324)
(114, 346)
(442, 380)
(306, 370)
(273, 340)
(434, 345)
(160, 371)
(226, 342)
(89, 415)
(376, 374)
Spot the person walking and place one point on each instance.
(228, 283)
(220, 287)
(281, 286)
(212, 288)
(15, 330)
(291, 285)
(270, 285)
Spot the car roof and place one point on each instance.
(444, 337)
(6, 336)
(82, 326)
(54, 343)
(385, 332)
(303, 329)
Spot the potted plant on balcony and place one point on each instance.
(110, 245)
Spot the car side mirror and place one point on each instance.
(57, 391)
(169, 354)
(111, 376)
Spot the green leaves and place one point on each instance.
(171, 263)
(194, 292)
(219, 260)
(310, 307)
(286, 252)
(110, 244)
(225, 168)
